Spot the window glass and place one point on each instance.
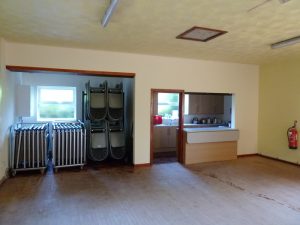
(56, 103)
(168, 105)
(186, 104)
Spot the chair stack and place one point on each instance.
(68, 145)
(29, 147)
(104, 118)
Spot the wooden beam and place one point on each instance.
(69, 71)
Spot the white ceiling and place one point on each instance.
(150, 27)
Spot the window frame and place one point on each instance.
(74, 103)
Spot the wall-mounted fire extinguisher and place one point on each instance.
(292, 135)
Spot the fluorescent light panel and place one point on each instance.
(285, 43)
(109, 11)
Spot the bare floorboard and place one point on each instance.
(247, 191)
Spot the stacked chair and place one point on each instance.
(34, 146)
(68, 145)
(28, 147)
(104, 119)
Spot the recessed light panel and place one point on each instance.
(200, 34)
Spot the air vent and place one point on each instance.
(200, 34)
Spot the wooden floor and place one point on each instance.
(247, 191)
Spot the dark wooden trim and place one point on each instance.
(180, 130)
(247, 155)
(143, 165)
(69, 71)
(279, 160)
(180, 126)
(167, 90)
(207, 93)
(182, 35)
(152, 126)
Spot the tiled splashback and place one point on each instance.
(189, 118)
(170, 121)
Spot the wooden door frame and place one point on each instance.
(180, 122)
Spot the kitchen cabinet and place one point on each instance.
(206, 104)
(194, 100)
(165, 137)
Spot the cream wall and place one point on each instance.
(6, 110)
(279, 106)
(158, 72)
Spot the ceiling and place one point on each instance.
(150, 27)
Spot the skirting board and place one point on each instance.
(142, 165)
(247, 155)
(277, 159)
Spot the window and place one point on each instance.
(186, 104)
(168, 105)
(56, 103)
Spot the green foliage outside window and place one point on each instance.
(56, 103)
(56, 111)
(168, 103)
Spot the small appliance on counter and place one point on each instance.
(157, 119)
(203, 121)
(195, 120)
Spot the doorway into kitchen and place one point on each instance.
(166, 125)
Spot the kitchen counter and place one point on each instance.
(166, 125)
(210, 144)
(189, 125)
(211, 134)
(208, 129)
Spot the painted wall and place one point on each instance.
(279, 106)
(158, 72)
(6, 110)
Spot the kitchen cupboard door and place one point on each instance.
(193, 104)
(161, 137)
(172, 137)
(205, 104)
(219, 104)
(211, 104)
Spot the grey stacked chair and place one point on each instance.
(98, 144)
(117, 145)
(96, 113)
(28, 148)
(104, 115)
(115, 98)
(96, 107)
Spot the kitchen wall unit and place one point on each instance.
(165, 137)
(206, 104)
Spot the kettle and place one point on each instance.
(157, 119)
(195, 120)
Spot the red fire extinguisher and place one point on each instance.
(292, 135)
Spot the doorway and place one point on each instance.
(166, 133)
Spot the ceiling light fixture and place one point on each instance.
(286, 42)
(109, 11)
(200, 34)
(264, 2)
